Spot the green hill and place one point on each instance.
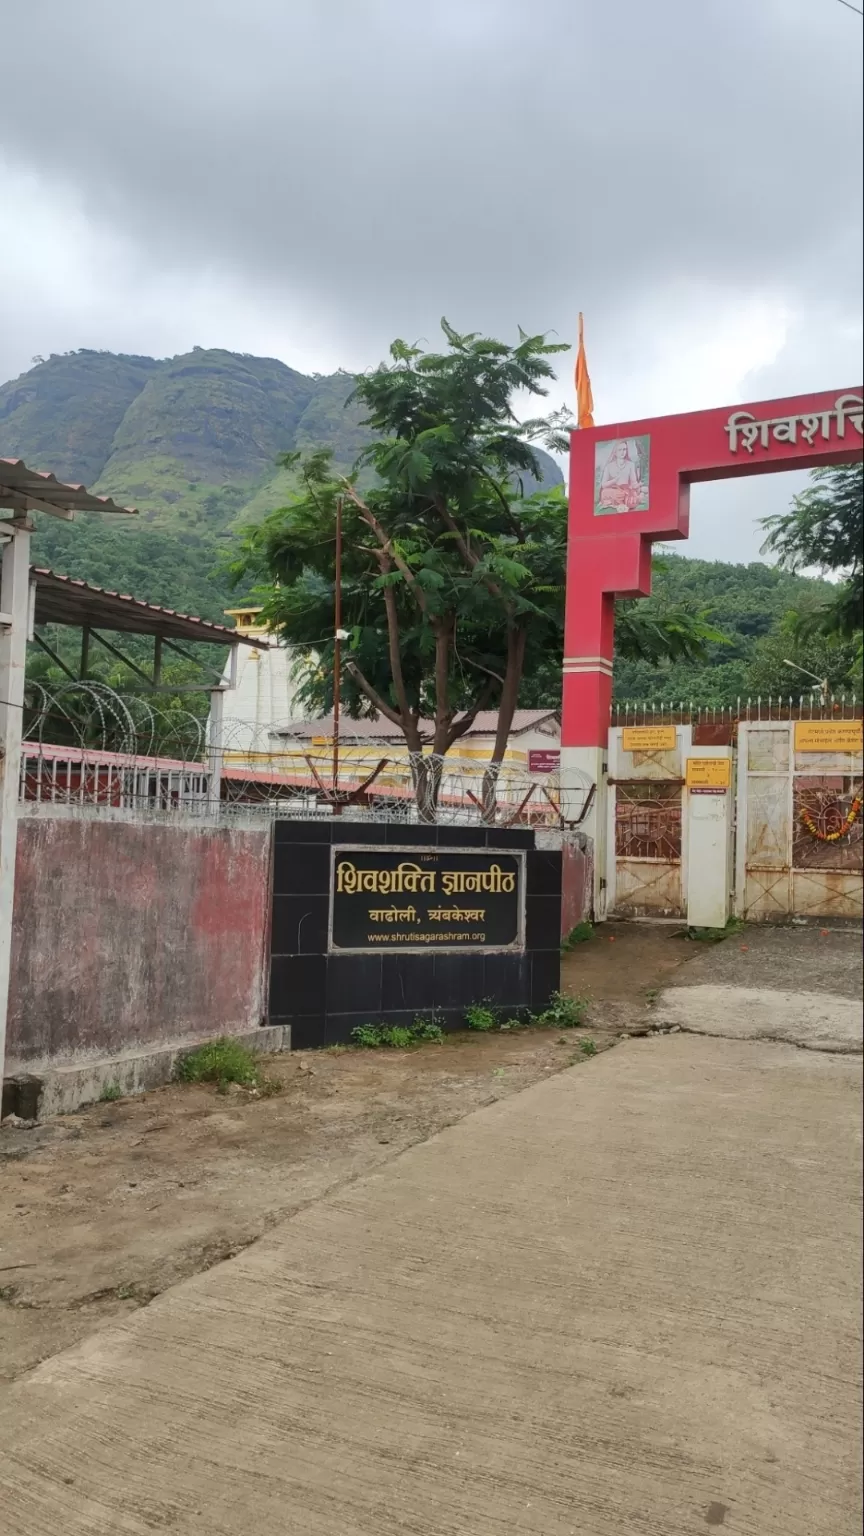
(173, 436)
(64, 413)
(191, 441)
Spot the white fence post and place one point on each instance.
(15, 606)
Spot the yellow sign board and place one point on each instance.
(828, 735)
(648, 738)
(708, 772)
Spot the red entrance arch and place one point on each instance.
(630, 484)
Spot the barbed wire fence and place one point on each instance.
(86, 745)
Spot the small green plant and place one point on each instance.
(398, 1037)
(579, 934)
(652, 995)
(426, 1026)
(563, 1012)
(367, 1036)
(481, 1017)
(587, 1047)
(221, 1062)
(110, 1093)
(8, 1292)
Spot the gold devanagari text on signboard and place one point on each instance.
(492, 879)
(447, 898)
(828, 735)
(406, 877)
(648, 738)
(410, 877)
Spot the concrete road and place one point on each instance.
(624, 1301)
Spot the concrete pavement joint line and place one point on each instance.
(800, 1045)
(814, 1021)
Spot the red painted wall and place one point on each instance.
(577, 882)
(131, 933)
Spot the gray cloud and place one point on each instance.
(344, 171)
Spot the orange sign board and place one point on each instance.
(648, 738)
(708, 772)
(828, 735)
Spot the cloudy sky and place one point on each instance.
(309, 178)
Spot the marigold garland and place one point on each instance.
(846, 825)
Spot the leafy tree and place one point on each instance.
(797, 647)
(825, 528)
(453, 578)
(748, 604)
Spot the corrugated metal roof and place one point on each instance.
(66, 600)
(37, 490)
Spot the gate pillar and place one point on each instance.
(709, 808)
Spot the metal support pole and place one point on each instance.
(216, 746)
(337, 656)
(14, 602)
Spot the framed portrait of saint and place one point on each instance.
(622, 475)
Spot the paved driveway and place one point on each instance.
(623, 1301)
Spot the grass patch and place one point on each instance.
(481, 1017)
(398, 1037)
(562, 1013)
(110, 1093)
(580, 934)
(221, 1062)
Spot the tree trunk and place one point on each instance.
(506, 709)
(427, 773)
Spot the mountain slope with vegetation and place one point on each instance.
(189, 440)
(193, 442)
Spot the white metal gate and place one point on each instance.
(647, 831)
(799, 843)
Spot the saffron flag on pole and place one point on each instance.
(584, 397)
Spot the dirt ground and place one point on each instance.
(624, 1302)
(103, 1210)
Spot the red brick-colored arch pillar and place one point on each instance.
(629, 486)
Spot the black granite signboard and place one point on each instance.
(383, 898)
(329, 972)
